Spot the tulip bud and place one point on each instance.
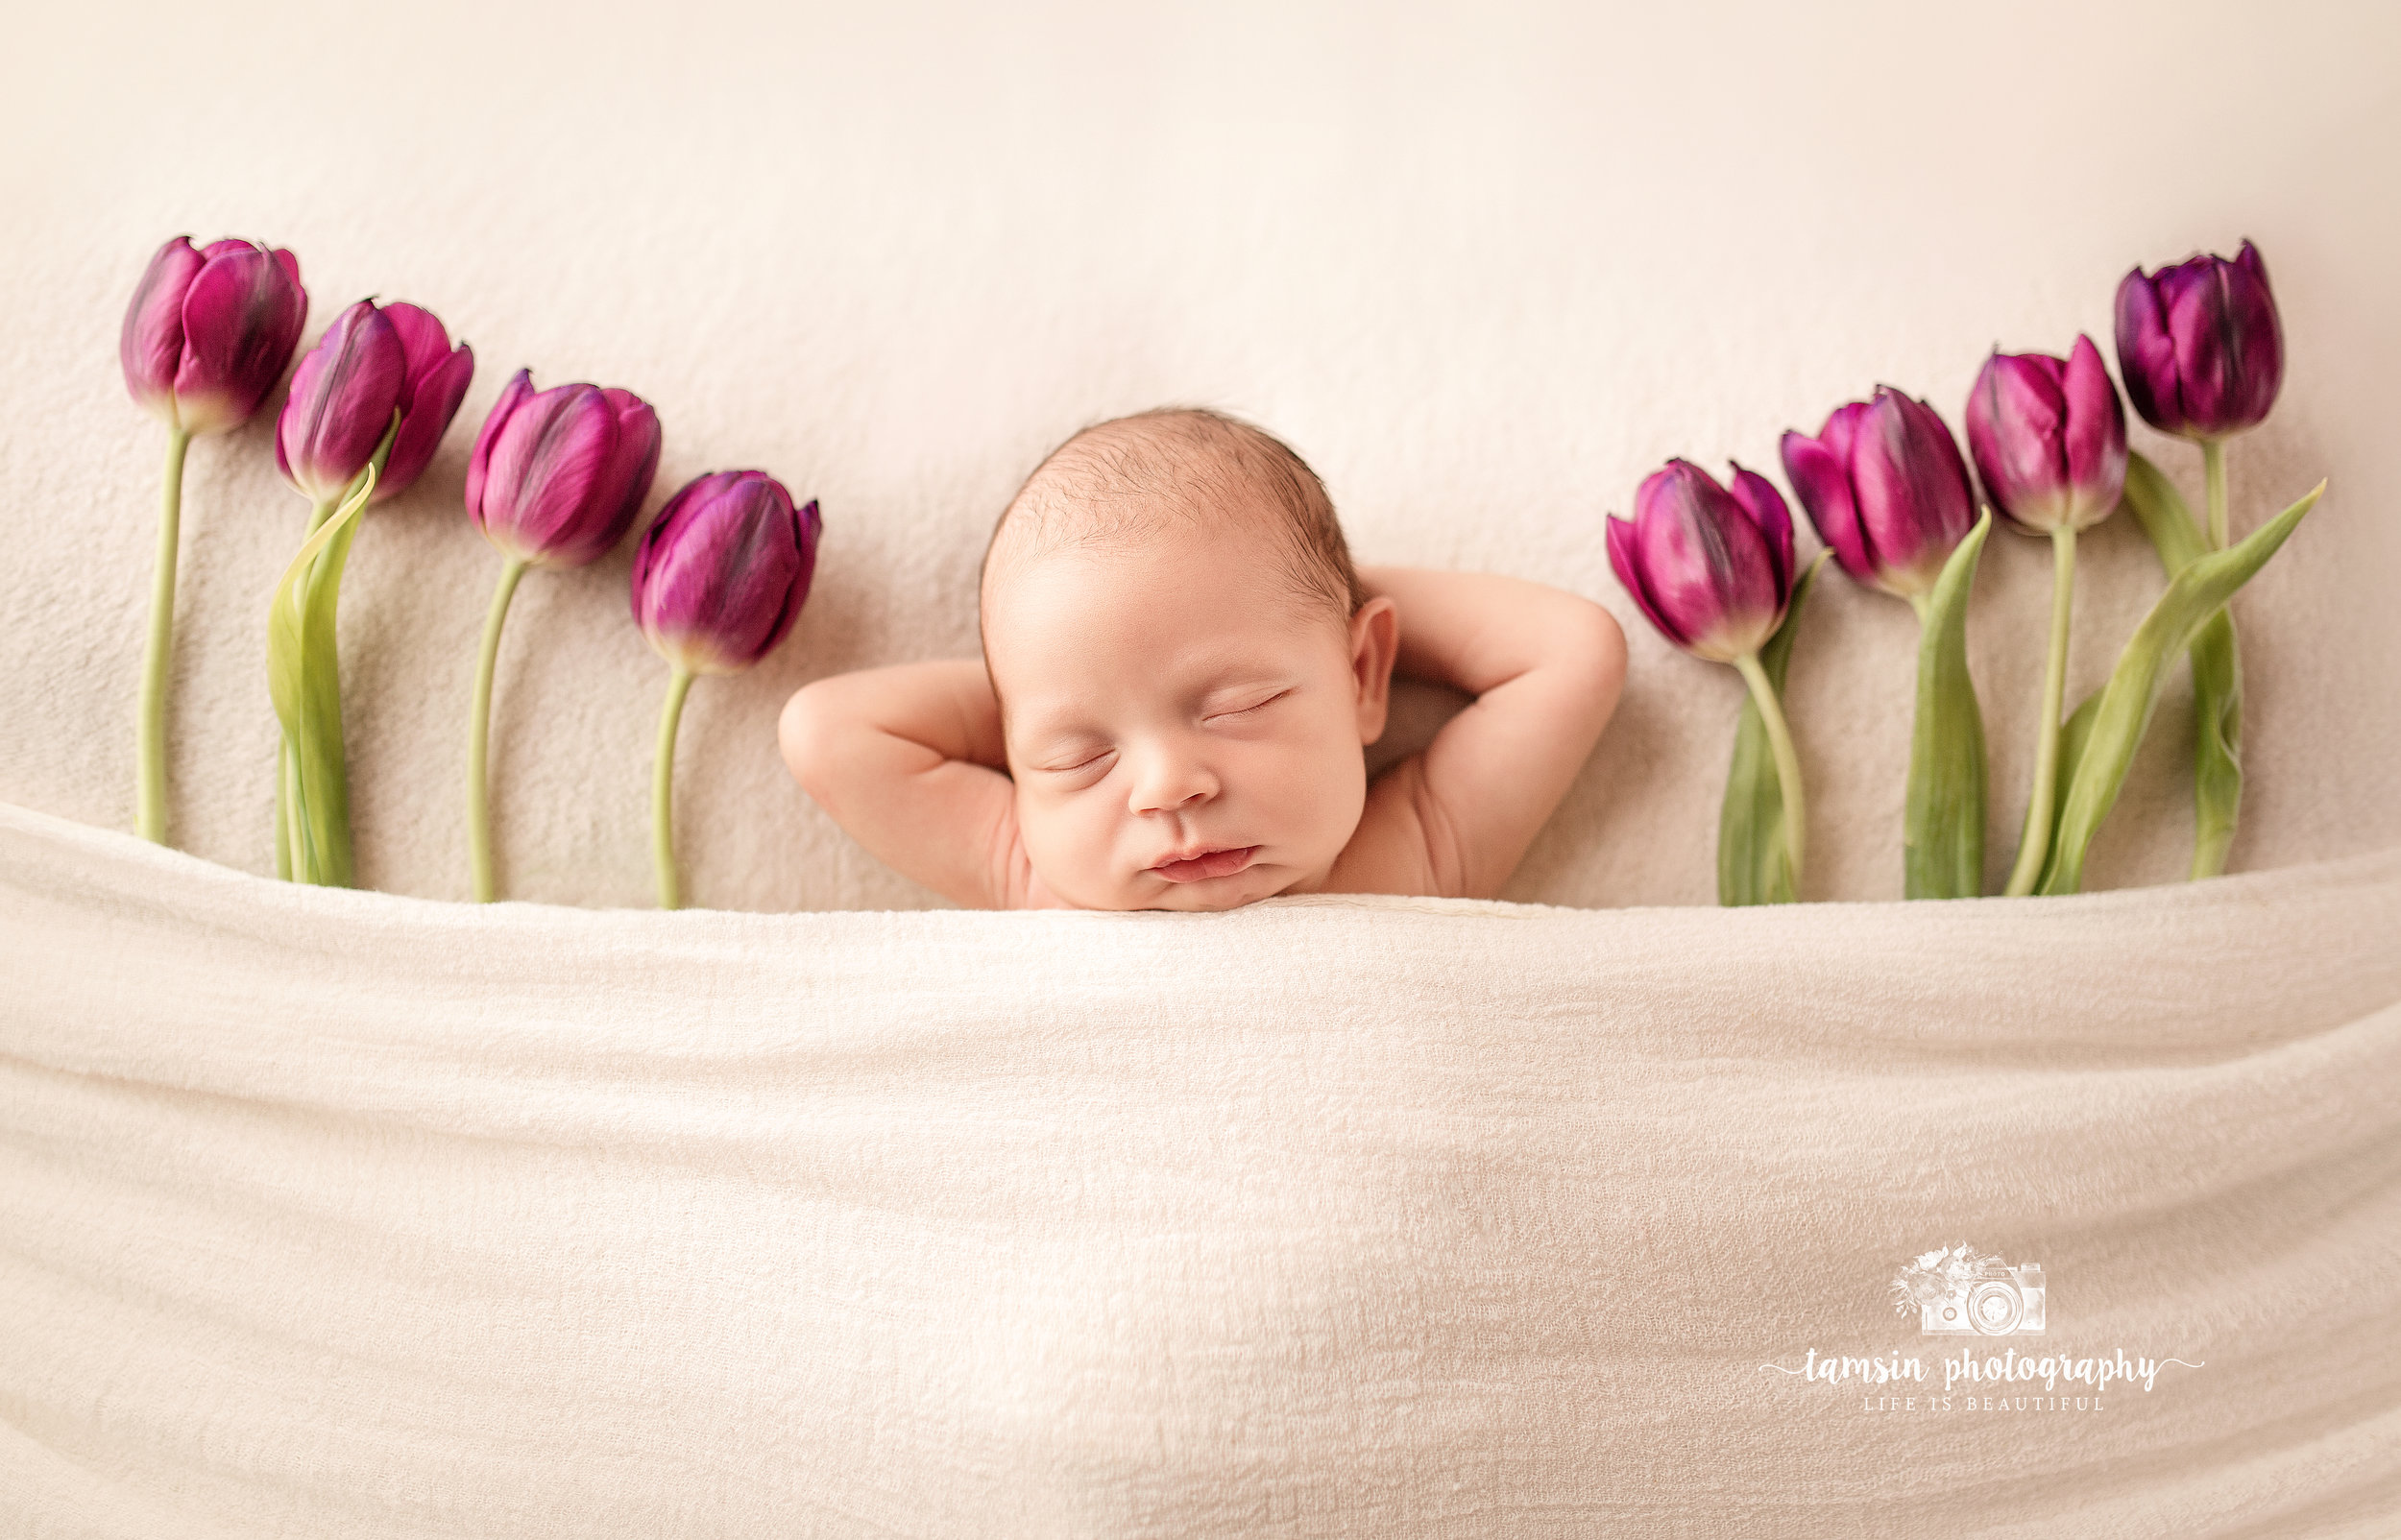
(557, 476)
(1884, 485)
(438, 376)
(2200, 344)
(209, 333)
(720, 576)
(1710, 566)
(2049, 438)
(343, 397)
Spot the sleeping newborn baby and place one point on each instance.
(1182, 669)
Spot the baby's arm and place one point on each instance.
(1545, 668)
(905, 758)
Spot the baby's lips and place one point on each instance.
(1208, 865)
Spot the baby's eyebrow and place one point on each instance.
(1047, 718)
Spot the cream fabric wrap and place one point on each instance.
(349, 1215)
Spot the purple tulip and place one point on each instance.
(2049, 438)
(557, 476)
(209, 333)
(1710, 566)
(205, 337)
(438, 375)
(2200, 344)
(343, 397)
(1884, 485)
(720, 576)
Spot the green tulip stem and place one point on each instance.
(2214, 469)
(2034, 844)
(1788, 763)
(292, 829)
(150, 772)
(288, 773)
(663, 793)
(479, 734)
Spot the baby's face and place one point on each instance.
(1184, 733)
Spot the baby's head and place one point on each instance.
(1187, 668)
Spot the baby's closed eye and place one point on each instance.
(1073, 760)
(1260, 703)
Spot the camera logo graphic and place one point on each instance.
(1960, 1292)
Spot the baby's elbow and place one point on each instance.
(807, 733)
(1592, 648)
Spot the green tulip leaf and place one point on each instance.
(2216, 672)
(2217, 742)
(1943, 827)
(2073, 735)
(303, 677)
(2197, 591)
(2164, 515)
(1754, 866)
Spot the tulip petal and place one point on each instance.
(805, 524)
(1821, 481)
(423, 336)
(623, 483)
(2017, 422)
(1911, 486)
(437, 378)
(2193, 298)
(513, 395)
(1622, 560)
(2147, 360)
(2096, 443)
(652, 548)
(1841, 430)
(755, 559)
(539, 482)
(1758, 497)
(436, 391)
(242, 316)
(342, 400)
(151, 344)
(2256, 355)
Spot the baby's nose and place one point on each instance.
(1171, 781)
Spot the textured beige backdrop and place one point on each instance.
(1484, 271)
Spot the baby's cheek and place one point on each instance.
(1326, 785)
(1068, 847)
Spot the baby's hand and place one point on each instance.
(1545, 668)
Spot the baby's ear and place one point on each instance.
(1375, 643)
